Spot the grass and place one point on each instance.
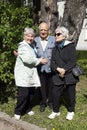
(59, 123)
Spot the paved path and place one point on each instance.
(8, 123)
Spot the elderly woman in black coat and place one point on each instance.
(62, 62)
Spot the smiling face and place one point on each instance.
(43, 30)
(29, 38)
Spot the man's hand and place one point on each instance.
(15, 53)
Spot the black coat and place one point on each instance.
(64, 58)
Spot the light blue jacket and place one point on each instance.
(47, 53)
(25, 71)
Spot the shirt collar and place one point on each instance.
(44, 39)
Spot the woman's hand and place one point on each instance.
(61, 72)
(61, 75)
(43, 60)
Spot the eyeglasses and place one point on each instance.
(58, 34)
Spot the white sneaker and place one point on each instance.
(17, 117)
(53, 115)
(70, 115)
(30, 113)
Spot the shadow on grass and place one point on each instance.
(85, 95)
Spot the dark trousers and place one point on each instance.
(71, 94)
(24, 97)
(46, 88)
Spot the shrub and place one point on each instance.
(12, 23)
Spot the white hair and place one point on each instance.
(64, 31)
(28, 31)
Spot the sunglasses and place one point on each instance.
(58, 34)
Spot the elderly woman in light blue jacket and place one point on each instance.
(25, 73)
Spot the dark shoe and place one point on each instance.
(42, 108)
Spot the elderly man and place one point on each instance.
(44, 45)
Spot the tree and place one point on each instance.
(49, 13)
(46, 10)
(13, 20)
(74, 15)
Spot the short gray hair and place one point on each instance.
(64, 31)
(28, 31)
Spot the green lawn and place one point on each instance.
(59, 123)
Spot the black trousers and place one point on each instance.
(71, 94)
(24, 98)
(46, 88)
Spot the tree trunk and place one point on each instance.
(47, 10)
(74, 15)
(49, 13)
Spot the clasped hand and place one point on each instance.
(61, 72)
